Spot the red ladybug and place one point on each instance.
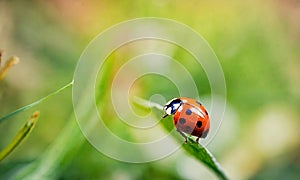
(189, 117)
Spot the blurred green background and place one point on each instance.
(257, 43)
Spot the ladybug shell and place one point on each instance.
(192, 118)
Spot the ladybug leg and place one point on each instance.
(197, 140)
(164, 116)
(182, 134)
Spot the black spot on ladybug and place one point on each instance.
(198, 103)
(181, 120)
(199, 124)
(206, 112)
(188, 128)
(188, 112)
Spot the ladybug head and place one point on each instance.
(171, 107)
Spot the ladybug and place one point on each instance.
(190, 117)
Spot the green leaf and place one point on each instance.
(194, 149)
(202, 154)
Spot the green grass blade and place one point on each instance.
(194, 149)
(21, 136)
(202, 154)
(66, 145)
(34, 103)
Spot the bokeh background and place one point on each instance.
(257, 43)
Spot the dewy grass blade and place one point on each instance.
(34, 103)
(194, 149)
(21, 136)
